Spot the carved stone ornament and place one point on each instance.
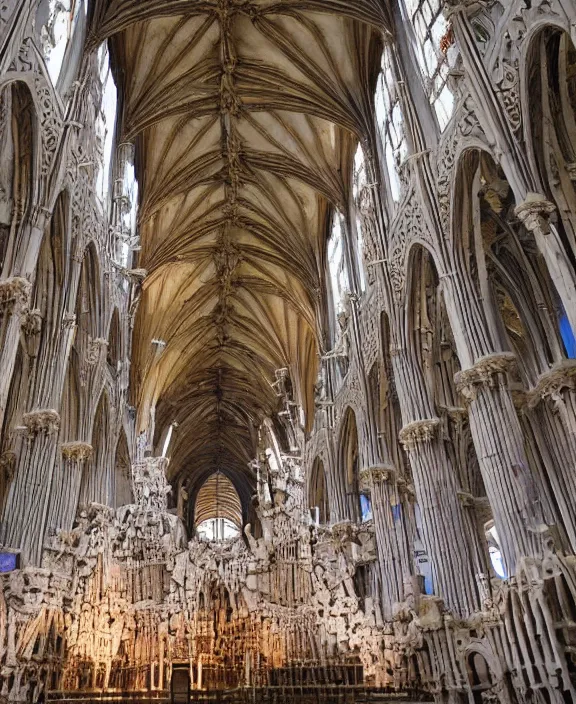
(484, 372)
(419, 431)
(535, 212)
(42, 421)
(14, 292)
(77, 451)
(552, 383)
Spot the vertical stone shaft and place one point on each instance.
(436, 489)
(496, 432)
(394, 552)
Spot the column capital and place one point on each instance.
(418, 431)
(77, 451)
(376, 473)
(483, 372)
(45, 420)
(552, 382)
(15, 293)
(535, 212)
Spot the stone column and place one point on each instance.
(14, 301)
(66, 485)
(535, 213)
(551, 411)
(435, 485)
(392, 541)
(25, 512)
(443, 522)
(499, 444)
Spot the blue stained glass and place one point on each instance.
(567, 337)
(8, 561)
(365, 507)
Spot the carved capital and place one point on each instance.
(553, 382)
(14, 294)
(77, 451)
(535, 212)
(46, 421)
(376, 474)
(418, 431)
(484, 373)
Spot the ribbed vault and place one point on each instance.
(246, 117)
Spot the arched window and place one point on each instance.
(390, 121)
(339, 283)
(435, 53)
(58, 20)
(218, 511)
(494, 550)
(105, 122)
(359, 184)
(359, 505)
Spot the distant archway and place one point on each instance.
(218, 510)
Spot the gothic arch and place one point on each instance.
(519, 298)
(114, 349)
(550, 110)
(89, 296)
(349, 462)
(122, 472)
(318, 492)
(20, 152)
(95, 486)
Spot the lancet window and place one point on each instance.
(359, 184)
(390, 122)
(339, 283)
(105, 121)
(58, 20)
(434, 52)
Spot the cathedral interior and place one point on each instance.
(287, 351)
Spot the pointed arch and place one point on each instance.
(89, 296)
(122, 472)
(114, 350)
(19, 145)
(349, 463)
(318, 492)
(95, 486)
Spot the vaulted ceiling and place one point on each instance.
(246, 115)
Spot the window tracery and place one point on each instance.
(105, 123)
(59, 19)
(339, 282)
(358, 185)
(433, 34)
(390, 121)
